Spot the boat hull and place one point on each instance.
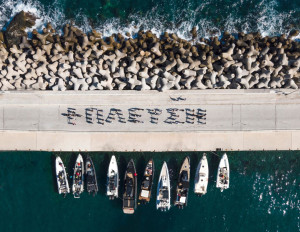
(163, 196)
(78, 177)
(147, 183)
(112, 186)
(182, 189)
(91, 178)
(223, 173)
(61, 177)
(201, 177)
(130, 189)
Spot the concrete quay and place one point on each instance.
(150, 121)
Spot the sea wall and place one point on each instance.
(78, 61)
(150, 141)
(133, 120)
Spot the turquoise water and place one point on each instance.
(263, 196)
(211, 17)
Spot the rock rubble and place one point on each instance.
(79, 61)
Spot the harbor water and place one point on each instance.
(263, 195)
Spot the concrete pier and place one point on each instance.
(149, 120)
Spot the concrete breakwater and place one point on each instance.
(140, 120)
(79, 61)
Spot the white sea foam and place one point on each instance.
(53, 14)
(264, 18)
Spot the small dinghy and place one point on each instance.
(61, 177)
(130, 189)
(223, 173)
(183, 185)
(112, 186)
(201, 177)
(147, 182)
(91, 179)
(163, 198)
(78, 178)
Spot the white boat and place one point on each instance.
(78, 177)
(201, 177)
(163, 199)
(223, 173)
(112, 187)
(61, 177)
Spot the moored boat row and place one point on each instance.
(130, 196)
(79, 175)
(202, 173)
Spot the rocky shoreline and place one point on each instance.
(79, 61)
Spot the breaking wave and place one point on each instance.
(211, 17)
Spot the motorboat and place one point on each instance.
(201, 177)
(183, 185)
(163, 198)
(147, 182)
(130, 189)
(78, 177)
(223, 173)
(91, 178)
(112, 186)
(61, 177)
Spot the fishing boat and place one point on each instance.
(61, 177)
(147, 182)
(163, 198)
(223, 173)
(112, 186)
(130, 189)
(182, 189)
(91, 179)
(78, 177)
(201, 177)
